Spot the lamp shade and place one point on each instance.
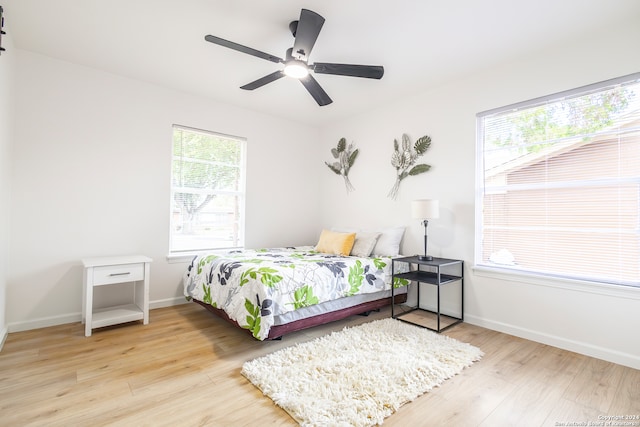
(425, 209)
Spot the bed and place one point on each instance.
(275, 291)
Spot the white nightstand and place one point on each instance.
(108, 271)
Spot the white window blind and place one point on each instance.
(559, 184)
(207, 191)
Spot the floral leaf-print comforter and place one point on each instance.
(253, 286)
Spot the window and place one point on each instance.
(559, 184)
(207, 191)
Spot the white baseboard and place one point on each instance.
(4, 333)
(45, 322)
(168, 302)
(587, 349)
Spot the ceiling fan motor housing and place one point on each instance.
(293, 27)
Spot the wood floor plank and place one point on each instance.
(183, 368)
(568, 412)
(55, 404)
(531, 401)
(596, 384)
(627, 397)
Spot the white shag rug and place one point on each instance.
(360, 375)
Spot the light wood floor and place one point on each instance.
(183, 369)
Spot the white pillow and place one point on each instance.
(388, 243)
(365, 242)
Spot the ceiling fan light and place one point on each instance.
(296, 69)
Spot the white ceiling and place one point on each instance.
(421, 43)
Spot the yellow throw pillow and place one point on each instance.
(335, 243)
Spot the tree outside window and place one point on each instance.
(207, 197)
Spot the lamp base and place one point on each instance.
(425, 257)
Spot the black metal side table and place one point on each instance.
(436, 272)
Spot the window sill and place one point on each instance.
(186, 257)
(180, 258)
(620, 291)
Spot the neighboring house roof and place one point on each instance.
(631, 124)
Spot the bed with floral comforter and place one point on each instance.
(254, 287)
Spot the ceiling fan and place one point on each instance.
(296, 62)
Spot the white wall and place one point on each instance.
(596, 320)
(6, 142)
(92, 178)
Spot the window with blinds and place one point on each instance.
(207, 191)
(559, 184)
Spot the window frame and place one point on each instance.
(532, 275)
(175, 255)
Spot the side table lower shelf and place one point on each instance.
(427, 318)
(118, 314)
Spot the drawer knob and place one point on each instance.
(120, 274)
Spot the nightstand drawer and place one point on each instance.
(108, 274)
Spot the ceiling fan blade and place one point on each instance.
(241, 48)
(316, 91)
(263, 81)
(307, 32)
(366, 71)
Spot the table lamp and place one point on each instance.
(425, 210)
